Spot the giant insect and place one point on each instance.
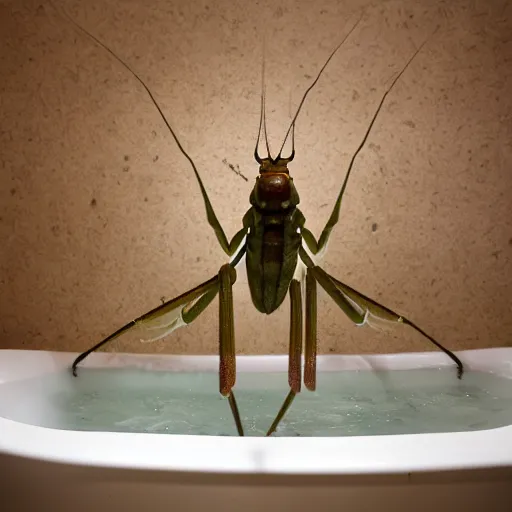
(280, 254)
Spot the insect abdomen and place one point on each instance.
(272, 251)
(272, 260)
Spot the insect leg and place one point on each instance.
(164, 318)
(380, 312)
(295, 352)
(310, 341)
(227, 361)
(179, 311)
(210, 213)
(295, 346)
(317, 247)
(362, 309)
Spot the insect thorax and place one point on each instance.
(274, 191)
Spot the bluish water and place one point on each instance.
(345, 403)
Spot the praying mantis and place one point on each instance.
(281, 257)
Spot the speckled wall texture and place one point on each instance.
(101, 216)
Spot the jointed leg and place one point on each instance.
(208, 290)
(187, 307)
(310, 344)
(359, 308)
(227, 363)
(295, 352)
(211, 217)
(312, 244)
(379, 311)
(295, 346)
(202, 294)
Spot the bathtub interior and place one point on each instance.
(373, 395)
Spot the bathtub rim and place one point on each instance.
(255, 455)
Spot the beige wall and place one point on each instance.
(100, 215)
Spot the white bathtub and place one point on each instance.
(54, 469)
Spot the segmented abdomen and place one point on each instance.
(271, 258)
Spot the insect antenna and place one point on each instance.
(263, 114)
(292, 124)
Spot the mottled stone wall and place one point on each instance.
(101, 216)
